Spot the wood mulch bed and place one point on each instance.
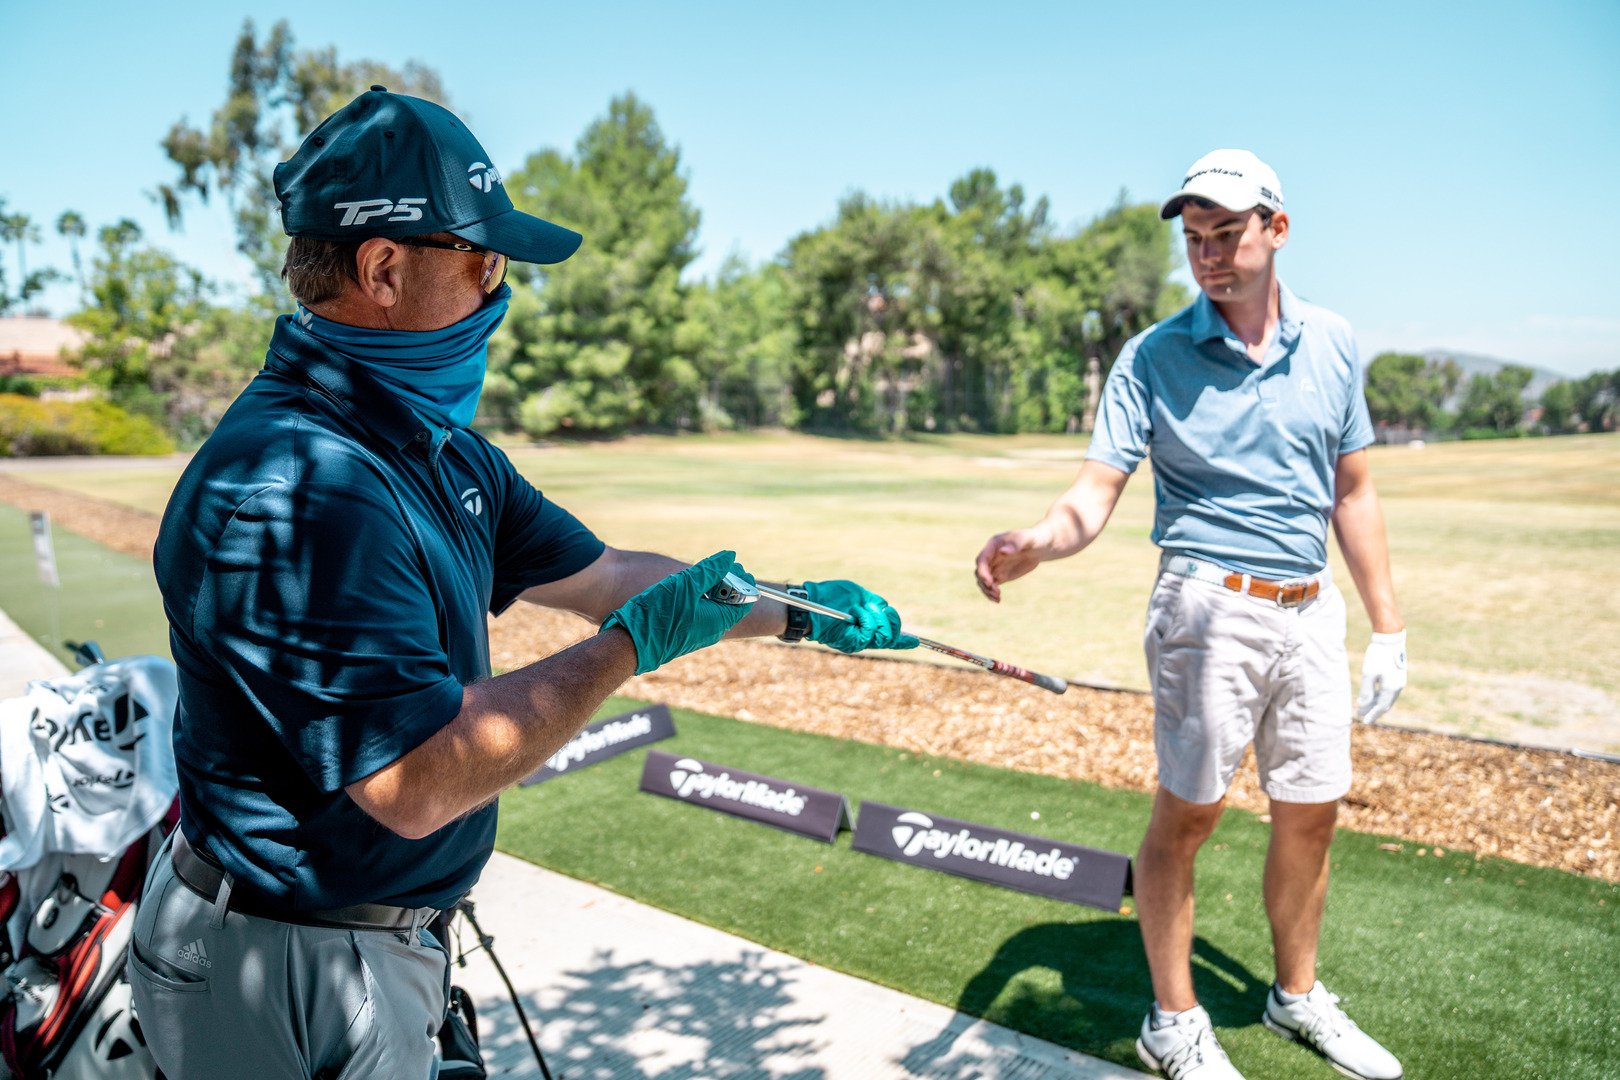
(1436, 793)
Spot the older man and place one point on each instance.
(1251, 404)
(327, 563)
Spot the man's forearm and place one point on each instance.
(1078, 516)
(1358, 522)
(508, 726)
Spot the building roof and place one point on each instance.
(34, 344)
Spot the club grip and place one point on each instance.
(1049, 682)
(1035, 678)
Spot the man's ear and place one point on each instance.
(378, 264)
(1279, 230)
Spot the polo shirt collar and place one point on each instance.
(297, 353)
(1208, 324)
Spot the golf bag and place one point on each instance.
(87, 774)
(87, 797)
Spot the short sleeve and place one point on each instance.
(1124, 416)
(536, 541)
(317, 606)
(1357, 432)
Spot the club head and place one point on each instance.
(733, 590)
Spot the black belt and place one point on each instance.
(204, 878)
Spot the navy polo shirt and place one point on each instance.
(327, 561)
(1244, 454)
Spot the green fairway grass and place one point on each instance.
(105, 596)
(1502, 551)
(1466, 968)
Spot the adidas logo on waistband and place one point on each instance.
(195, 954)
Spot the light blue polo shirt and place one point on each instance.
(1243, 453)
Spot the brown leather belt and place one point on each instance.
(1282, 593)
(202, 877)
(1279, 593)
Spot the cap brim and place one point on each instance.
(522, 237)
(1215, 193)
(1172, 206)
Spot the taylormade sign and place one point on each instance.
(606, 739)
(916, 834)
(805, 810)
(1031, 864)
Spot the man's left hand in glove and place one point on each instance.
(874, 624)
(1383, 676)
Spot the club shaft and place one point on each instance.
(1035, 678)
(801, 602)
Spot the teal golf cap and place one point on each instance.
(393, 165)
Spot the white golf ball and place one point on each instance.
(1034, 815)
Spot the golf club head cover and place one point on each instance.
(874, 624)
(673, 617)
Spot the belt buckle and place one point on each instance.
(1291, 596)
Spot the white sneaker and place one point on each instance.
(1317, 1021)
(1185, 1049)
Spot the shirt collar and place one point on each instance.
(1208, 324)
(297, 353)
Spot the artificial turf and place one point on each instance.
(1464, 967)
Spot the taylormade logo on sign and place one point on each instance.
(688, 779)
(916, 834)
(1033, 864)
(589, 742)
(809, 811)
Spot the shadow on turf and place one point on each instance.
(1103, 992)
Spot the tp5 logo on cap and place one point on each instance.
(358, 213)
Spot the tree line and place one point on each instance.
(1417, 396)
(972, 312)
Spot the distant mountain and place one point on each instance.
(1475, 364)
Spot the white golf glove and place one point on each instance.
(1383, 676)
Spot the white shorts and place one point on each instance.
(1228, 669)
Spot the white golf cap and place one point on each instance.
(1235, 179)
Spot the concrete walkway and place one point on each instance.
(617, 990)
(22, 660)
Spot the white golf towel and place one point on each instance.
(87, 760)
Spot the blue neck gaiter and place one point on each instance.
(439, 373)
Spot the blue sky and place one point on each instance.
(1448, 167)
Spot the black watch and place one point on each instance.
(798, 619)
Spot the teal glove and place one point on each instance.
(673, 617)
(876, 625)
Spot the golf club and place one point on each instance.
(999, 667)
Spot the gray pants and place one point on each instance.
(224, 994)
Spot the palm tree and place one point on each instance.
(20, 228)
(71, 225)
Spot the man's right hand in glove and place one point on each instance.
(673, 617)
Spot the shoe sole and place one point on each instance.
(1147, 1059)
(1293, 1036)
